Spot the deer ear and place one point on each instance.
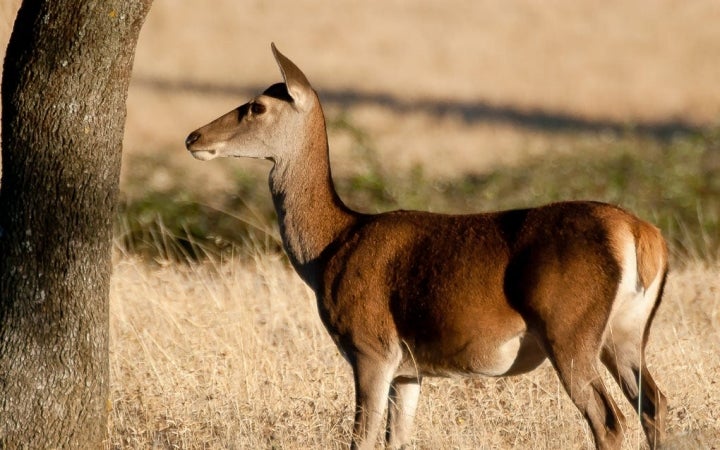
(297, 85)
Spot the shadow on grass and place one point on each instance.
(472, 111)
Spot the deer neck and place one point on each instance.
(310, 213)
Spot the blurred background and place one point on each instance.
(450, 106)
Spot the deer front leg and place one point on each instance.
(404, 395)
(372, 385)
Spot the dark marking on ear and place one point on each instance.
(297, 84)
(278, 91)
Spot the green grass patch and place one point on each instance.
(674, 184)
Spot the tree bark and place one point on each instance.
(64, 86)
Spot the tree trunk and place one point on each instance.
(64, 87)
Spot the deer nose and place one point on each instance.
(194, 136)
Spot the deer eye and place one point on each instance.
(257, 108)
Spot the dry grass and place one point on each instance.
(232, 354)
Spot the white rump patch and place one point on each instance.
(633, 303)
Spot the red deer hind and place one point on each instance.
(408, 294)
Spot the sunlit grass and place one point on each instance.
(216, 343)
(232, 354)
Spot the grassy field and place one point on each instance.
(217, 343)
(673, 182)
(231, 354)
(452, 106)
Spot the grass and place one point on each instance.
(673, 183)
(216, 343)
(231, 354)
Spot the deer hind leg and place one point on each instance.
(624, 355)
(639, 388)
(404, 395)
(581, 379)
(574, 350)
(373, 377)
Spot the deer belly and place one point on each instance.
(482, 356)
(501, 360)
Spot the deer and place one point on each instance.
(408, 294)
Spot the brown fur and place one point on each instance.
(652, 252)
(411, 294)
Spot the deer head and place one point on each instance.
(273, 125)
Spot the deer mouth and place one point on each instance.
(203, 155)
